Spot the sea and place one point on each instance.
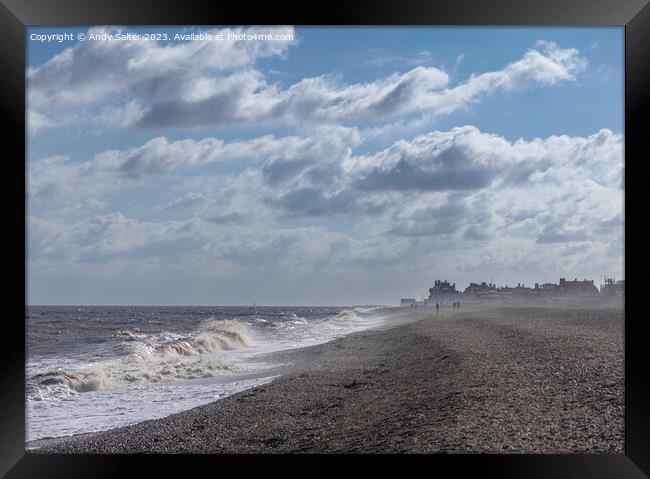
(94, 368)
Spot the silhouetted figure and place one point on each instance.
(437, 307)
(458, 305)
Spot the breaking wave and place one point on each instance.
(80, 382)
(346, 315)
(156, 358)
(219, 335)
(212, 336)
(368, 309)
(343, 321)
(130, 335)
(177, 369)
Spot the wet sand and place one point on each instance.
(495, 380)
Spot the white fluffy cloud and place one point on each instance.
(61, 181)
(154, 71)
(465, 158)
(124, 78)
(330, 194)
(195, 83)
(446, 188)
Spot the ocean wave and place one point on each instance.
(80, 382)
(348, 319)
(130, 335)
(53, 383)
(214, 335)
(177, 369)
(368, 309)
(155, 358)
(120, 373)
(224, 335)
(345, 315)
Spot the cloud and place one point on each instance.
(151, 70)
(459, 61)
(330, 191)
(60, 177)
(465, 158)
(313, 201)
(435, 221)
(323, 99)
(299, 206)
(107, 238)
(562, 236)
(277, 164)
(383, 59)
(187, 201)
(36, 121)
(318, 174)
(149, 84)
(407, 176)
(145, 74)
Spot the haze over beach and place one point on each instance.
(233, 215)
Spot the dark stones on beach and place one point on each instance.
(517, 379)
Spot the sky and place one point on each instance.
(319, 166)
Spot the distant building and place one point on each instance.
(546, 291)
(442, 291)
(407, 302)
(475, 288)
(613, 288)
(586, 287)
(546, 287)
(484, 291)
(519, 292)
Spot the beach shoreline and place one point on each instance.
(491, 380)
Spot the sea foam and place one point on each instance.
(155, 358)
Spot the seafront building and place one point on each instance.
(445, 292)
(442, 291)
(614, 288)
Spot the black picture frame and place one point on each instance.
(16, 15)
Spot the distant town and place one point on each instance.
(576, 290)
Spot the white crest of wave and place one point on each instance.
(175, 357)
(368, 309)
(179, 347)
(178, 369)
(80, 382)
(343, 321)
(128, 335)
(125, 371)
(220, 335)
(215, 335)
(346, 315)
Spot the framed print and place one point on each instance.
(380, 228)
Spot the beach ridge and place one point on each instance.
(492, 380)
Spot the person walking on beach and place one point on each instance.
(437, 307)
